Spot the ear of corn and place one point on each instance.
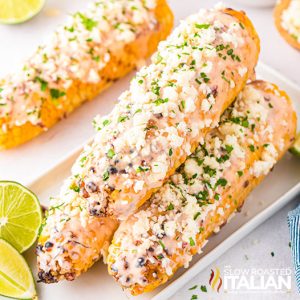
(287, 16)
(57, 78)
(205, 192)
(168, 109)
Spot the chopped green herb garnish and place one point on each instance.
(105, 176)
(222, 182)
(197, 215)
(42, 82)
(106, 122)
(170, 152)
(217, 196)
(272, 254)
(55, 94)
(111, 153)
(193, 287)
(192, 242)
(243, 121)
(160, 101)
(122, 119)
(142, 169)
(182, 105)
(203, 288)
(252, 148)
(202, 26)
(170, 206)
(75, 188)
(224, 78)
(159, 58)
(88, 23)
(208, 170)
(240, 173)
(228, 148)
(194, 297)
(162, 244)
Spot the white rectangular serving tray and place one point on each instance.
(277, 190)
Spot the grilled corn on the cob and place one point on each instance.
(157, 123)
(209, 187)
(93, 49)
(287, 21)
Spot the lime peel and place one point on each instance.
(16, 279)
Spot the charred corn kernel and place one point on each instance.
(93, 49)
(209, 187)
(170, 106)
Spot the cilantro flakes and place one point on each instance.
(88, 23)
(122, 119)
(193, 287)
(162, 244)
(111, 153)
(240, 173)
(203, 288)
(105, 175)
(43, 83)
(55, 94)
(222, 182)
(252, 148)
(170, 206)
(202, 26)
(160, 101)
(192, 242)
(142, 169)
(196, 215)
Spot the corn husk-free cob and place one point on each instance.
(86, 55)
(207, 189)
(287, 21)
(157, 123)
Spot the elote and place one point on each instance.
(92, 50)
(287, 21)
(204, 193)
(157, 123)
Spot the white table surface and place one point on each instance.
(17, 42)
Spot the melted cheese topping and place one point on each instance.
(169, 107)
(77, 51)
(166, 231)
(291, 19)
(166, 110)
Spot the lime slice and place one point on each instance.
(18, 11)
(295, 149)
(20, 215)
(16, 279)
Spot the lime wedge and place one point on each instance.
(16, 279)
(295, 149)
(18, 11)
(20, 215)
